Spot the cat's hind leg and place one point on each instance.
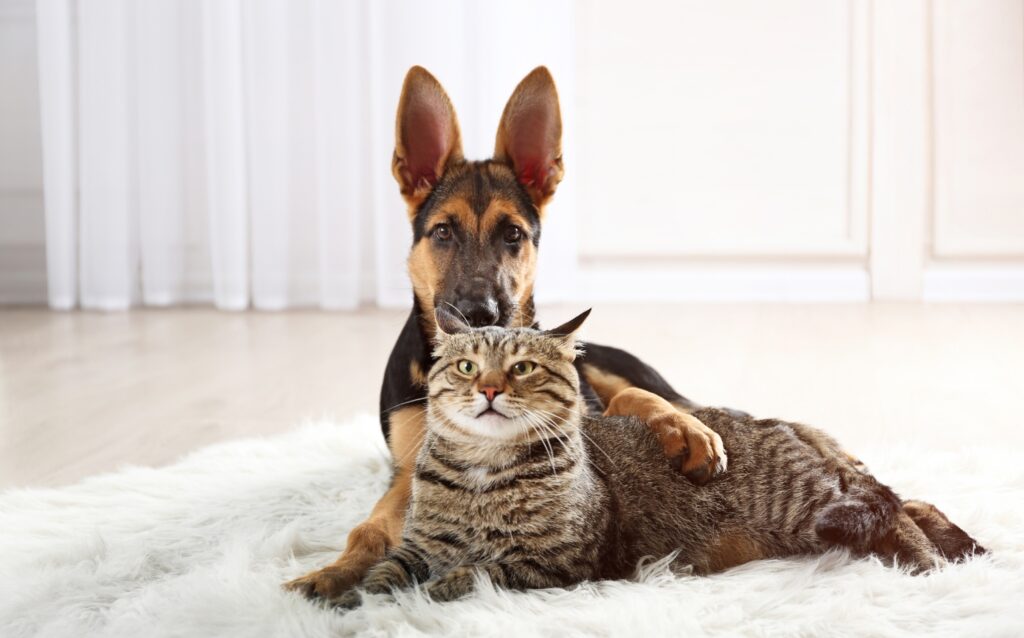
(908, 546)
(870, 518)
(879, 526)
(952, 542)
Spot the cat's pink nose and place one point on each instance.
(490, 391)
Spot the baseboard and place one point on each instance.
(979, 284)
(716, 283)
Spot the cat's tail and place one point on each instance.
(860, 518)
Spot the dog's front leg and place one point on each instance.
(626, 386)
(369, 541)
(683, 436)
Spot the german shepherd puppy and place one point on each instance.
(476, 230)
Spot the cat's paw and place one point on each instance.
(373, 584)
(452, 586)
(694, 448)
(348, 600)
(327, 583)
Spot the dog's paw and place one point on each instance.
(694, 448)
(327, 583)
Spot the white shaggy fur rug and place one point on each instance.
(200, 548)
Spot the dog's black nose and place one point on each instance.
(479, 312)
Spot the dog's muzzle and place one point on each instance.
(479, 312)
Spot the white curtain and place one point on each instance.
(238, 152)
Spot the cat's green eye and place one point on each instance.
(466, 367)
(523, 368)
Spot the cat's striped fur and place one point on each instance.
(532, 492)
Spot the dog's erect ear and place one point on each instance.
(530, 135)
(567, 332)
(426, 136)
(448, 323)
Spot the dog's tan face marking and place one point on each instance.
(475, 246)
(459, 211)
(476, 225)
(426, 273)
(455, 209)
(500, 213)
(519, 270)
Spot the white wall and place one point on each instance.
(802, 149)
(975, 230)
(795, 149)
(979, 130)
(699, 118)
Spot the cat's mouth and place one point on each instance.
(491, 412)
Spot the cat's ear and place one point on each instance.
(569, 327)
(448, 323)
(427, 136)
(567, 333)
(530, 136)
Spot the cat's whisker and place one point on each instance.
(563, 437)
(464, 319)
(560, 435)
(581, 431)
(574, 452)
(516, 311)
(415, 448)
(536, 424)
(599, 448)
(398, 405)
(549, 432)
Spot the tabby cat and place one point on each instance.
(513, 480)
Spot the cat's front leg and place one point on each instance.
(454, 584)
(402, 568)
(523, 574)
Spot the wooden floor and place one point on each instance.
(82, 393)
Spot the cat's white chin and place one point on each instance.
(492, 419)
(489, 424)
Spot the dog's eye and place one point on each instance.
(442, 232)
(513, 234)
